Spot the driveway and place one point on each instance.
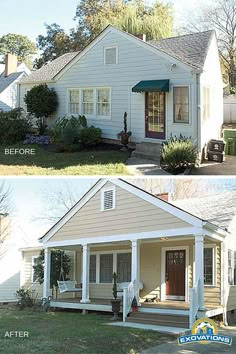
(174, 348)
(228, 167)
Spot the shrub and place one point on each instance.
(25, 298)
(90, 136)
(41, 101)
(36, 139)
(177, 154)
(13, 126)
(66, 130)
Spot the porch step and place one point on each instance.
(149, 151)
(166, 320)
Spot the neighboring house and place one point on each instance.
(169, 86)
(9, 78)
(184, 259)
(230, 109)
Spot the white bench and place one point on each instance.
(121, 286)
(68, 286)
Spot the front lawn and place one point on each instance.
(72, 333)
(100, 161)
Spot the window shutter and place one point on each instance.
(108, 199)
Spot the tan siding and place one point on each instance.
(231, 303)
(132, 214)
(212, 294)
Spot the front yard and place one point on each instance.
(46, 162)
(72, 333)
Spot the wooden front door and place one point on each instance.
(175, 275)
(155, 115)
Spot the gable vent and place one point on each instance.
(108, 199)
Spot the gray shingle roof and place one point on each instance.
(219, 209)
(6, 81)
(191, 48)
(50, 70)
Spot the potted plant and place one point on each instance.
(134, 305)
(115, 302)
(124, 134)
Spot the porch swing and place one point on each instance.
(66, 286)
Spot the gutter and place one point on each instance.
(222, 232)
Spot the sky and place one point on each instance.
(27, 17)
(29, 204)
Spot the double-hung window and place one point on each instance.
(74, 100)
(181, 104)
(103, 102)
(106, 268)
(123, 267)
(88, 102)
(231, 267)
(208, 265)
(34, 262)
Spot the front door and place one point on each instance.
(175, 275)
(155, 115)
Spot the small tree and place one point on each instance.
(41, 101)
(60, 262)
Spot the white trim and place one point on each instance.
(106, 189)
(95, 115)
(133, 39)
(104, 55)
(179, 123)
(214, 272)
(163, 269)
(124, 237)
(114, 254)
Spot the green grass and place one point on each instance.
(44, 162)
(72, 333)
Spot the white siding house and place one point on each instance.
(159, 84)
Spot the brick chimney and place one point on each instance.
(141, 36)
(163, 196)
(10, 64)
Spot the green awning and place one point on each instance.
(152, 86)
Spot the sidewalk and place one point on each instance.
(144, 167)
(174, 348)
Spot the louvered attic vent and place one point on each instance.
(108, 200)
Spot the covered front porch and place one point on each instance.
(180, 275)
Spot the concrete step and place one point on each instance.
(159, 319)
(147, 151)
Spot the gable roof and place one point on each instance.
(49, 71)
(7, 81)
(219, 209)
(156, 201)
(191, 49)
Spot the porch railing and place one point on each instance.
(194, 302)
(128, 295)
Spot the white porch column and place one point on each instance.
(135, 267)
(47, 271)
(199, 267)
(85, 275)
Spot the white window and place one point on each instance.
(181, 104)
(110, 55)
(92, 269)
(231, 267)
(206, 103)
(34, 261)
(108, 199)
(88, 101)
(74, 99)
(123, 267)
(208, 265)
(103, 102)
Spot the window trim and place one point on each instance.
(213, 246)
(104, 54)
(114, 253)
(233, 265)
(95, 115)
(189, 101)
(32, 273)
(103, 190)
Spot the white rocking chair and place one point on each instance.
(66, 286)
